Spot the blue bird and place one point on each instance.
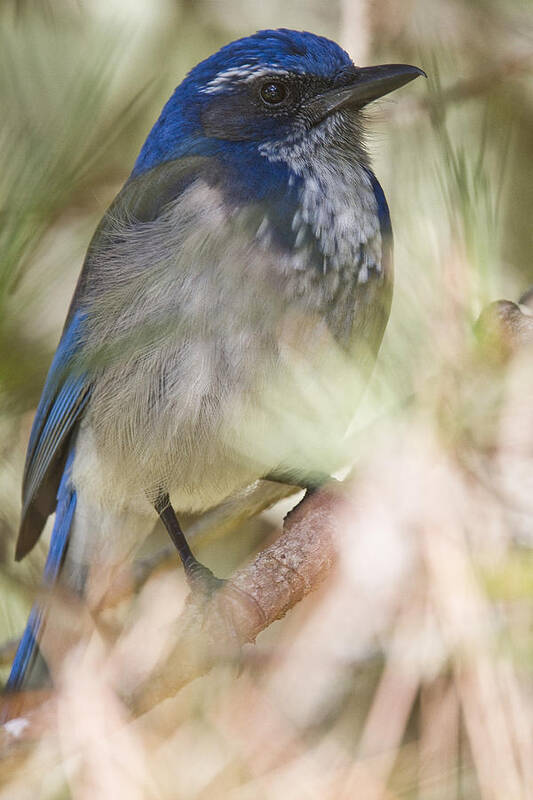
(248, 253)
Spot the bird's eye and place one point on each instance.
(273, 93)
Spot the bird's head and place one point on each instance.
(269, 90)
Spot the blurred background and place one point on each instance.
(410, 673)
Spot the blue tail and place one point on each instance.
(29, 669)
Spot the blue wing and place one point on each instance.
(47, 488)
(63, 400)
(28, 666)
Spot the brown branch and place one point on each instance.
(505, 327)
(280, 576)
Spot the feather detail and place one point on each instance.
(63, 400)
(29, 666)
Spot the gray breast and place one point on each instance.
(213, 353)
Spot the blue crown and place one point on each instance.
(294, 51)
(178, 129)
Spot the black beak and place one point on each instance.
(368, 84)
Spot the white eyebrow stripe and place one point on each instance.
(244, 73)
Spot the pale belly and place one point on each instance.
(220, 421)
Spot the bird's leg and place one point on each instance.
(198, 576)
(204, 584)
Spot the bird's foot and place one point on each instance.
(201, 580)
(225, 608)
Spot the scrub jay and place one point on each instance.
(244, 264)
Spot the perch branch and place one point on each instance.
(211, 631)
